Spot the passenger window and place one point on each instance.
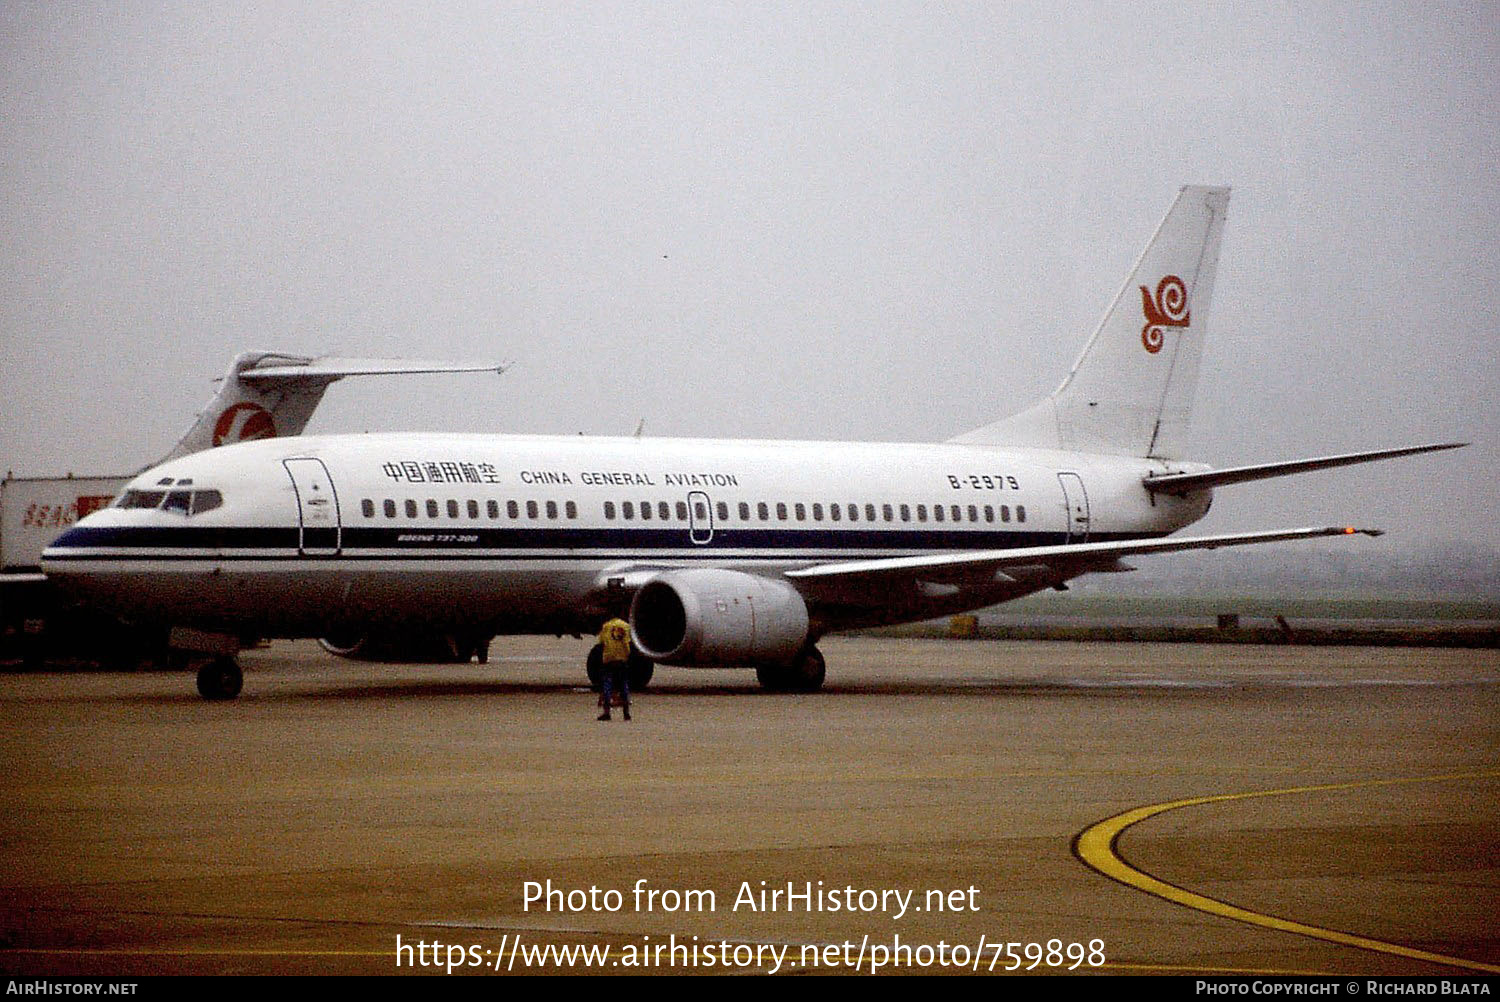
(744, 511)
(551, 509)
(531, 509)
(432, 508)
(885, 510)
(512, 509)
(1005, 513)
(452, 508)
(906, 513)
(682, 511)
(854, 513)
(411, 508)
(664, 510)
(473, 507)
(869, 513)
(817, 512)
(723, 511)
(989, 513)
(609, 510)
(208, 501)
(834, 512)
(937, 513)
(763, 511)
(367, 508)
(570, 509)
(973, 514)
(1020, 513)
(700, 511)
(492, 508)
(645, 509)
(781, 510)
(179, 501)
(390, 508)
(801, 511)
(627, 509)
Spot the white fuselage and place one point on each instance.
(517, 534)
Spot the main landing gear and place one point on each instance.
(220, 678)
(804, 674)
(641, 669)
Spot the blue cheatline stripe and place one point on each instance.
(451, 541)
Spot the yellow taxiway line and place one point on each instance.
(1097, 846)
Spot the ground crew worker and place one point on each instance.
(614, 638)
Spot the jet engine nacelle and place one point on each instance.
(708, 616)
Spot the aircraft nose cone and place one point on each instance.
(61, 558)
(73, 539)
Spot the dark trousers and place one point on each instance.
(617, 676)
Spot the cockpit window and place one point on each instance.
(206, 501)
(183, 502)
(142, 499)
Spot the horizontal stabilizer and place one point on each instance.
(1070, 555)
(330, 368)
(1183, 483)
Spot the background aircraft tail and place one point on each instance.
(267, 394)
(1131, 390)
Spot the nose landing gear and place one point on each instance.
(213, 655)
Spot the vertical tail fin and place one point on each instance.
(1131, 390)
(266, 394)
(241, 411)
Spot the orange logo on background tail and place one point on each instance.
(1168, 309)
(243, 422)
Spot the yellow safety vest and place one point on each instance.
(616, 640)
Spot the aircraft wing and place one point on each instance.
(1182, 483)
(993, 563)
(329, 368)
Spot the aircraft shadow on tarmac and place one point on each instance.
(1086, 688)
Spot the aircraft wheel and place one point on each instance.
(595, 665)
(220, 678)
(641, 669)
(804, 674)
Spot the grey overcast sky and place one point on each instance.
(834, 221)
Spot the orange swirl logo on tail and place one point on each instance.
(1169, 308)
(243, 422)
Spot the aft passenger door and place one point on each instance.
(1076, 501)
(320, 532)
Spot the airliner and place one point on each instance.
(721, 553)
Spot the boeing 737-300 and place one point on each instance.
(724, 553)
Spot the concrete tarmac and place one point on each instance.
(934, 788)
